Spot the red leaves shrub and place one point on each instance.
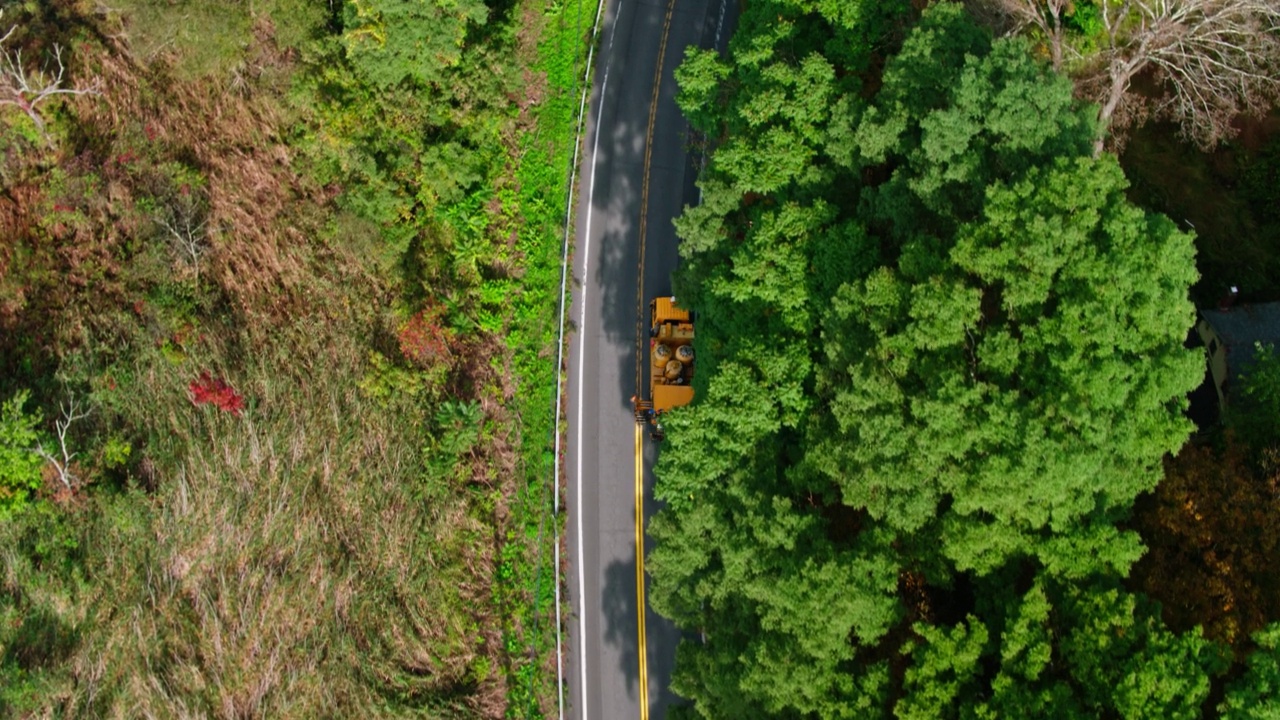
(423, 341)
(216, 391)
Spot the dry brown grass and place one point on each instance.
(233, 140)
(295, 561)
(78, 213)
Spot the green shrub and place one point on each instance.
(1255, 410)
(19, 463)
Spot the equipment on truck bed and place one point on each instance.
(670, 363)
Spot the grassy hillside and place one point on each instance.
(297, 272)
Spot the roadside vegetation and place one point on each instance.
(278, 288)
(939, 465)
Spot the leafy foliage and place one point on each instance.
(423, 342)
(1212, 528)
(19, 464)
(942, 357)
(1256, 405)
(215, 391)
(1256, 695)
(394, 41)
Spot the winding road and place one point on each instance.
(636, 176)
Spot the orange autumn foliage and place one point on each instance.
(1213, 532)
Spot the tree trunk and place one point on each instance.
(1119, 84)
(1055, 42)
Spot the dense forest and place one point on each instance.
(940, 464)
(278, 288)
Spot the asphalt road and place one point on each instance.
(610, 282)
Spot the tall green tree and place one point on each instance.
(1015, 384)
(1078, 650)
(940, 353)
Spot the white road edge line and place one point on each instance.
(564, 275)
(582, 342)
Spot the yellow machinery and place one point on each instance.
(670, 362)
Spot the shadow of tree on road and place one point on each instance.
(618, 606)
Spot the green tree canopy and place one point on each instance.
(1019, 381)
(940, 354)
(1256, 694)
(1081, 650)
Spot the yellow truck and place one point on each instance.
(670, 363)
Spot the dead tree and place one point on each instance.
(1210, 60)
(71, 412)
(185, 229)
(26, 88)
(1215, 59)
(1045, 16)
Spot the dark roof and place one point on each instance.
(1246, 324)
(1243, 326)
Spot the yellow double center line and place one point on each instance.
(642, 647)
(640, 606)
(644, 195)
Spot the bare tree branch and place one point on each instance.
(71, 412)
(188, 240)
(185, 229)
(27, 88)
(1044, 15)
(1218, 59)
(1211, 60)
